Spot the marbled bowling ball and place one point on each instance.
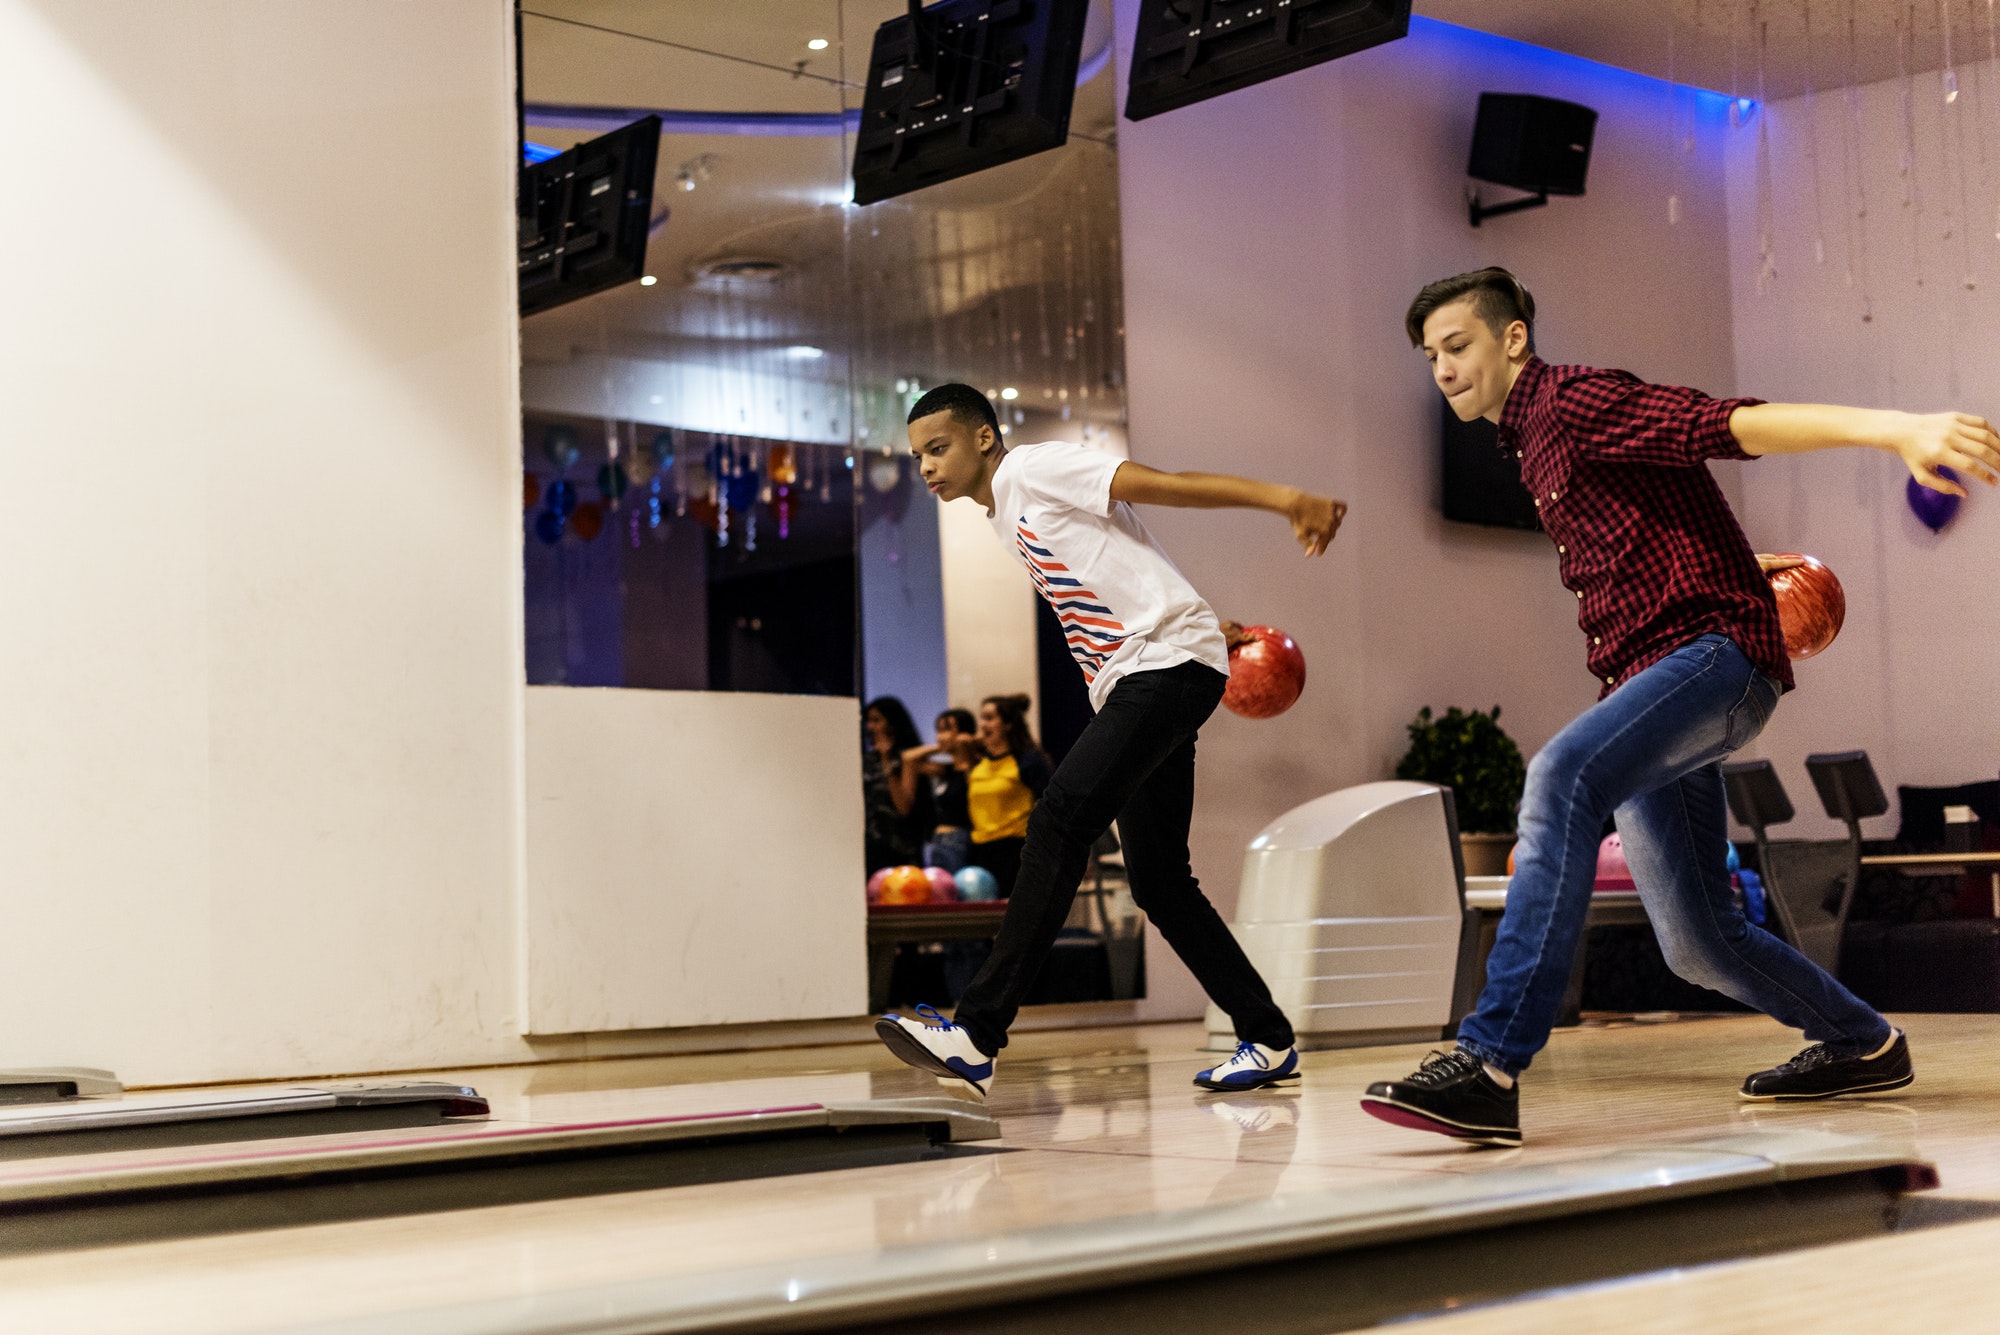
(906, 885)
(875, 884)
(1811, 606)
(1266, 674)
(944, 888)
(977, 885)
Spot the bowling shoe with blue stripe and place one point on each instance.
(932, 1043)
(1253, 1066)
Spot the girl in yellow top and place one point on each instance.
(1000, 790)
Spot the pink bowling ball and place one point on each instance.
(944, 889)
(1611, 860)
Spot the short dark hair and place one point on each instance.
(1497, 298)
(961, 719)
(968, 405)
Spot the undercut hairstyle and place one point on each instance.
(1498, 299)
(971, 408)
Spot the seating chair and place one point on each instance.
(1808, 883)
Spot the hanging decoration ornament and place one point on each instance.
(612, 482)
(587, 521)
(559, 447)
(1767, 245)
(706, 513)
(781, 506)
(560, 499)
(782, 465)
(661, 449)
(531, 490)
(884, 472)
(1934, 509)
(549, 527)
(743, 486)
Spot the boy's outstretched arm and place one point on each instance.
(1925, 441)
(1314, 519)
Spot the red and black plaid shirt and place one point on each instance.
(1645, 539)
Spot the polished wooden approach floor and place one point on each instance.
(1103, 1125)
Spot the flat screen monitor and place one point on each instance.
(1189, 50)
(963, 86)
(583, 216)
(1481, 484)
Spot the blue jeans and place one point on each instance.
(1652, 752)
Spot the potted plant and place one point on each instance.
(1468, 752)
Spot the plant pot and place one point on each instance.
(1485, 854)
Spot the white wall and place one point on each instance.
(261, 773)
(1910, 678)
(1272, 240)
(989, 612)
(694, 858)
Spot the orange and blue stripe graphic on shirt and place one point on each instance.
(1090, 628)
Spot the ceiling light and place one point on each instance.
(1010, 393)
(755, 269)
(817, 44)
(648, 281)
(804, 352)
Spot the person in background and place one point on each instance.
(1002, 787)
(946, 765)
(897, 805)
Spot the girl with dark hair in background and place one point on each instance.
(1002, 788)
(946, 765)
(898, 807)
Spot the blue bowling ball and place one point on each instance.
(976, 884)
(1735, 860)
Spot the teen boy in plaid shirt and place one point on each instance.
(1681, 631)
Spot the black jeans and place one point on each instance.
(1134, 762)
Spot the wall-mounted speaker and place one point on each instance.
(1532, 143)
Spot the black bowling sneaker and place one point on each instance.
(1819, 1073)
(1452, 1095)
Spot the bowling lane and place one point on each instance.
(1102, 1125)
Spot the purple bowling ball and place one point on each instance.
(1933, 509)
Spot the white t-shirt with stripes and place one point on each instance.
(1123, 606)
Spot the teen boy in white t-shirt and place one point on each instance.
(1157, 662)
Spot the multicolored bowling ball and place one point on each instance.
(976, 885)
(1266, 673)
(944, 887)
(875, 884)
(906, 885)
(1811, 605)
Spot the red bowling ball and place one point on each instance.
(1811, 605)
(1266, 673)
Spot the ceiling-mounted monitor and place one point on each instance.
(583, 216)
(1189, 50)
(963, 86)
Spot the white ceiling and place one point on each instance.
(1714, 43)
(946, 267)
